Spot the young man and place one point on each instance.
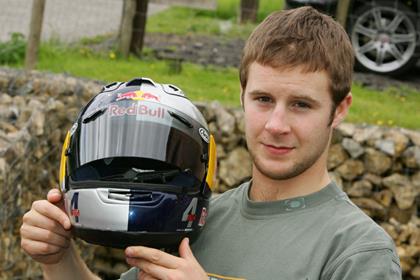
(290, 221)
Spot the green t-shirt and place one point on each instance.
(319, 236)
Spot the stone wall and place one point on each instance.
(378, 167)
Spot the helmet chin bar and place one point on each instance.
(123, 239)
(120, 218)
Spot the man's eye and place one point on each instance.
(264, 99)
(301, 105)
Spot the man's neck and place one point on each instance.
(266, 189)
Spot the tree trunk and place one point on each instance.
(249, 10)
(34, 37)
(139, 27)
(126, 27)
(342, 12)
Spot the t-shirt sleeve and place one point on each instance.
(130, 274)
(380, 264)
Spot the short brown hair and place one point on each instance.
(302, 37)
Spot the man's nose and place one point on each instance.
(278, 121)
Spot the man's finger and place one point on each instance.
(54, 196)
(53, 212)
(43, 235)
(185, 250)
(34, 218)
(37, 248)
(152, 269)
(152, 255)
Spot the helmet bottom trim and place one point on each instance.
(121, 240)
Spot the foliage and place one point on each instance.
(223, 21)
(96, 39)
(199, 82)
(391, 107)
(229, 9)
(267, 7)
(13, 50)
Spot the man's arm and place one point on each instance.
(368, 264)
(70, 267)
(46, 237)
(155, 264)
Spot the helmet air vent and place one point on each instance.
(133, 195)
(140, 81)
(181, 119)
(93, 116)
(173, 90)
(111, 86)
(174, 87)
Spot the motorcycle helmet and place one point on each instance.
(137, 167)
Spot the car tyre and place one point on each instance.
(384, 37)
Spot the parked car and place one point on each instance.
(385, 34)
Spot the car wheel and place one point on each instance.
(384, 38)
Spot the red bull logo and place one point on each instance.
(149, 96)
(133, 110)
(138, 95)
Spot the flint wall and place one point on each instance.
(378, 167)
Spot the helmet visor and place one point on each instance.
(143, 130)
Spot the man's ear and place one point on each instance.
(342, 110)
(242, 98)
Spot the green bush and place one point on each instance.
(220, 22)
(229, 9)
(13, 51)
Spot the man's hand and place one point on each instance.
(155, 264)
(45, 231)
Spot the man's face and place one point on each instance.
(287, 116)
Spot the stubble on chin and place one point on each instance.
(294, 169)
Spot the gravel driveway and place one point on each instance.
(65, 20)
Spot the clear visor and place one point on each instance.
(144, 130)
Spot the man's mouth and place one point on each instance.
(278, 149)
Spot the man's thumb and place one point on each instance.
(185, 250)
(54, 196)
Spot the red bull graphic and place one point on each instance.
(149, 96)
(138, 95)
(136, 110)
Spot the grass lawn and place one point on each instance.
(393, 107)
(200, 83)
(222, 22)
